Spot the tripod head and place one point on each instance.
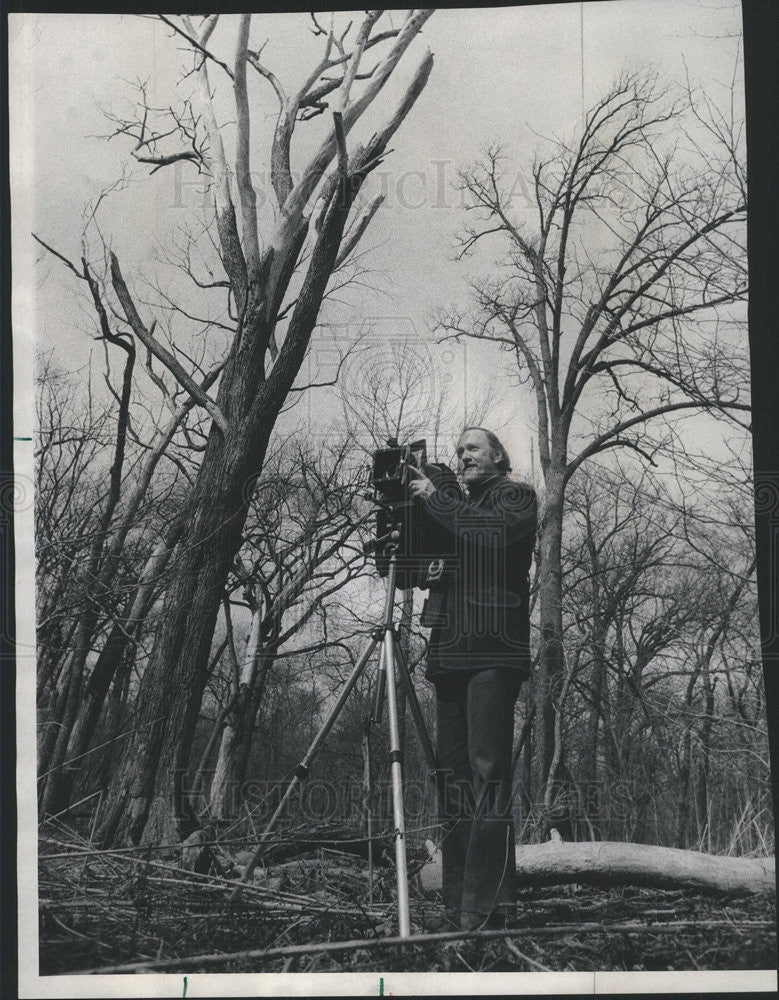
(382, 542)
(397, 531)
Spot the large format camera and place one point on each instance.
(390, 475)
(419, 541)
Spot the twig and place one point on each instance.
(525, 958)
(331, 947)
(68, 930)
(194, 42)
(468, 967)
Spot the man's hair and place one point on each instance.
(504, 463)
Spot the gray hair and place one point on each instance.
(504, 462)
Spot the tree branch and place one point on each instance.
(161, 353)
(599, 442)
(357, 230)
(254, 59)
(231, 252)
(300, 194)
(199, 45)
(242, 154)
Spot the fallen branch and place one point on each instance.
(607, 863)
(333, 947)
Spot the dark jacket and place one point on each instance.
(479, 610)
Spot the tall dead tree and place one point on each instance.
(609, 291)
(264, 356)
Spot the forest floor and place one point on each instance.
(118, 911)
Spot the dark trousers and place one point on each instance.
(475, 712)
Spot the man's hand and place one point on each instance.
(419, 485)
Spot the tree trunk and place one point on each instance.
(250, 722)
(225, 796)
(94, 579)
(53, 752)
(704, 826)
(685, 792)
(119, 645)
(605, 863)
(116, 721)
(145, 801)
(550, 668)
(592, 791)
(526, 772)
(146, 791)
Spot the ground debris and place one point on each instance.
(105, 909)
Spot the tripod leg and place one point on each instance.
(424, 737)
(404, 919)
(301, 771)
(416, 710)
(378, 696)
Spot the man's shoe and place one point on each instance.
(497, 920)
(503, 916)
(470, 921)
(445, 920)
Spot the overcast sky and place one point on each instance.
(512, 75)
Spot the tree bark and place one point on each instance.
(551, 663)
(235, 742)
(609, 864)
(704, 826)
(145, 795)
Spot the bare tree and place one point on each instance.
(659, 618)
(263, 357)
(612, 299)
(71, 438)
(298, 552)
(97, 569)
(118, 496)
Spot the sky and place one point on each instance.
(512, 75)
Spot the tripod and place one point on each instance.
(392, 663)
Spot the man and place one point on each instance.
(478, 657)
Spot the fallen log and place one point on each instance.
(608, 863)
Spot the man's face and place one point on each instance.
(476, 459)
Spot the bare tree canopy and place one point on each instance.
(611, 289)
